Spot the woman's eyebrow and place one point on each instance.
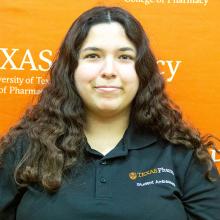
(98, 49)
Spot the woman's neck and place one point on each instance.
(103, 134)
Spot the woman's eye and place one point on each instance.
(92, 56)
(126, 57)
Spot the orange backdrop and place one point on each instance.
(184, 37)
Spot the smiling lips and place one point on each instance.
(107, 88)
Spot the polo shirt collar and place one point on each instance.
(135, 138)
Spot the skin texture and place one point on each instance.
(109, 67)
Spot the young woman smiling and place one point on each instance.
(104, 140)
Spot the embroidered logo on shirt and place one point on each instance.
(135, 175)
(156, 182)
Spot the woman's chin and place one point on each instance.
(108, 111)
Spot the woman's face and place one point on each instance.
(105, 77)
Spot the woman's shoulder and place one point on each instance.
(182, 158)
(179, 151)
(16, 148)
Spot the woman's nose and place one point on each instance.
(109, 70)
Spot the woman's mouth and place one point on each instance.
(103, 89)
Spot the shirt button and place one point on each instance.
(103, 180)
(104, 162)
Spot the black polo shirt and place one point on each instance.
(143, 177)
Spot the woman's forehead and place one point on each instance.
(106, 35)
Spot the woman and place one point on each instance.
(104, 140)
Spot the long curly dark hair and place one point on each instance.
(55, 125)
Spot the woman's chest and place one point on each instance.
(104, 191)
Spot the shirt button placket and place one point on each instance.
(103, 162)
(103, 188)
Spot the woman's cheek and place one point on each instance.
(128, 73)
(89, 71)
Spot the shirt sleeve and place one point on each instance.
(10, 193)
(201, 197)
